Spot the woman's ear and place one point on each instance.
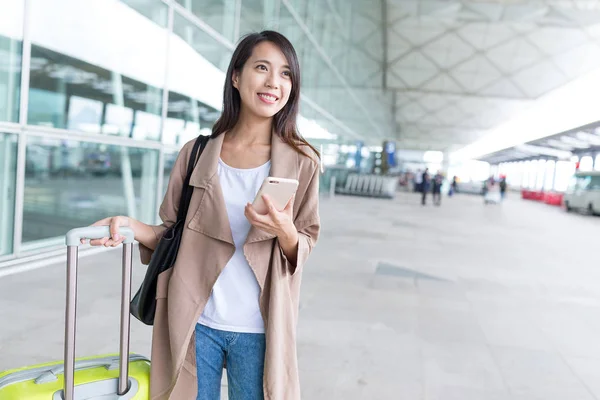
(235, 79)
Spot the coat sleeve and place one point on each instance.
(307, 223)
(170, 204)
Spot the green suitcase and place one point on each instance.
(98, 375)
(110, 377)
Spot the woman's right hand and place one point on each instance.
(115, 239)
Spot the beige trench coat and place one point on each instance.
(206, 247)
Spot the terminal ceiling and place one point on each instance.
(452, 70)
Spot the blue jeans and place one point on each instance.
(245, 356)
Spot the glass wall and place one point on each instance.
(11, 42)
(95, 72)
(550, 170)
(69, 184)
(213, 51)
(549, 175)
(170, 158)
(220, 15)
(8, 173)
(155, 10)
(339, 44)
(586, 164)
(114, 88)
(564, 172)
(540, 174)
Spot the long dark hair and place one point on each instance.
(284, 122)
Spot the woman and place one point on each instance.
(232, 295)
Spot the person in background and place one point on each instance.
(502, 187)
(418, 181)
(454, 184)
(492, 192)
(436, 188)
(426, 183)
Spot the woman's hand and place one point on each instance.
(115, 239)
(279, 223)
(275, 222)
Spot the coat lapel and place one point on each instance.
(284, 164)
(211, 218)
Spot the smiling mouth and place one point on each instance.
(269, 98)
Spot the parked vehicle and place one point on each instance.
(583, 192)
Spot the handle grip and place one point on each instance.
(74, 236)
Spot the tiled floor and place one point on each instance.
(399, 301)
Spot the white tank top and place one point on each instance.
(234, 301)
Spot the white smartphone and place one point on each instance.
(280, 190)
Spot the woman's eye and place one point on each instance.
(262, 67)
(287, 73)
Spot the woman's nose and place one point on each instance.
(272, 82)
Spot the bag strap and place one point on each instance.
(187, 190)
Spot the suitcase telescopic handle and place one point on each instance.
(73, 240)
(96, 232)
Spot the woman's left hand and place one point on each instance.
(275, 222)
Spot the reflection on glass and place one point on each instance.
(192, 130)
(257, 15)
(84, 114)
(170, 157)
(186, 118)
(352, 49)
(319, 83)
(118, 120)
(88, 61)
(46, 108)
(11, 35)
(219, 14)
(155, 10)
(8, 173)
(70, 94)
(146, 126)
(212, 50)
(70, 184)
(172, 130)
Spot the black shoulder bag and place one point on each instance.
(143, 305)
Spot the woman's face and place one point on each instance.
(265, 81)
